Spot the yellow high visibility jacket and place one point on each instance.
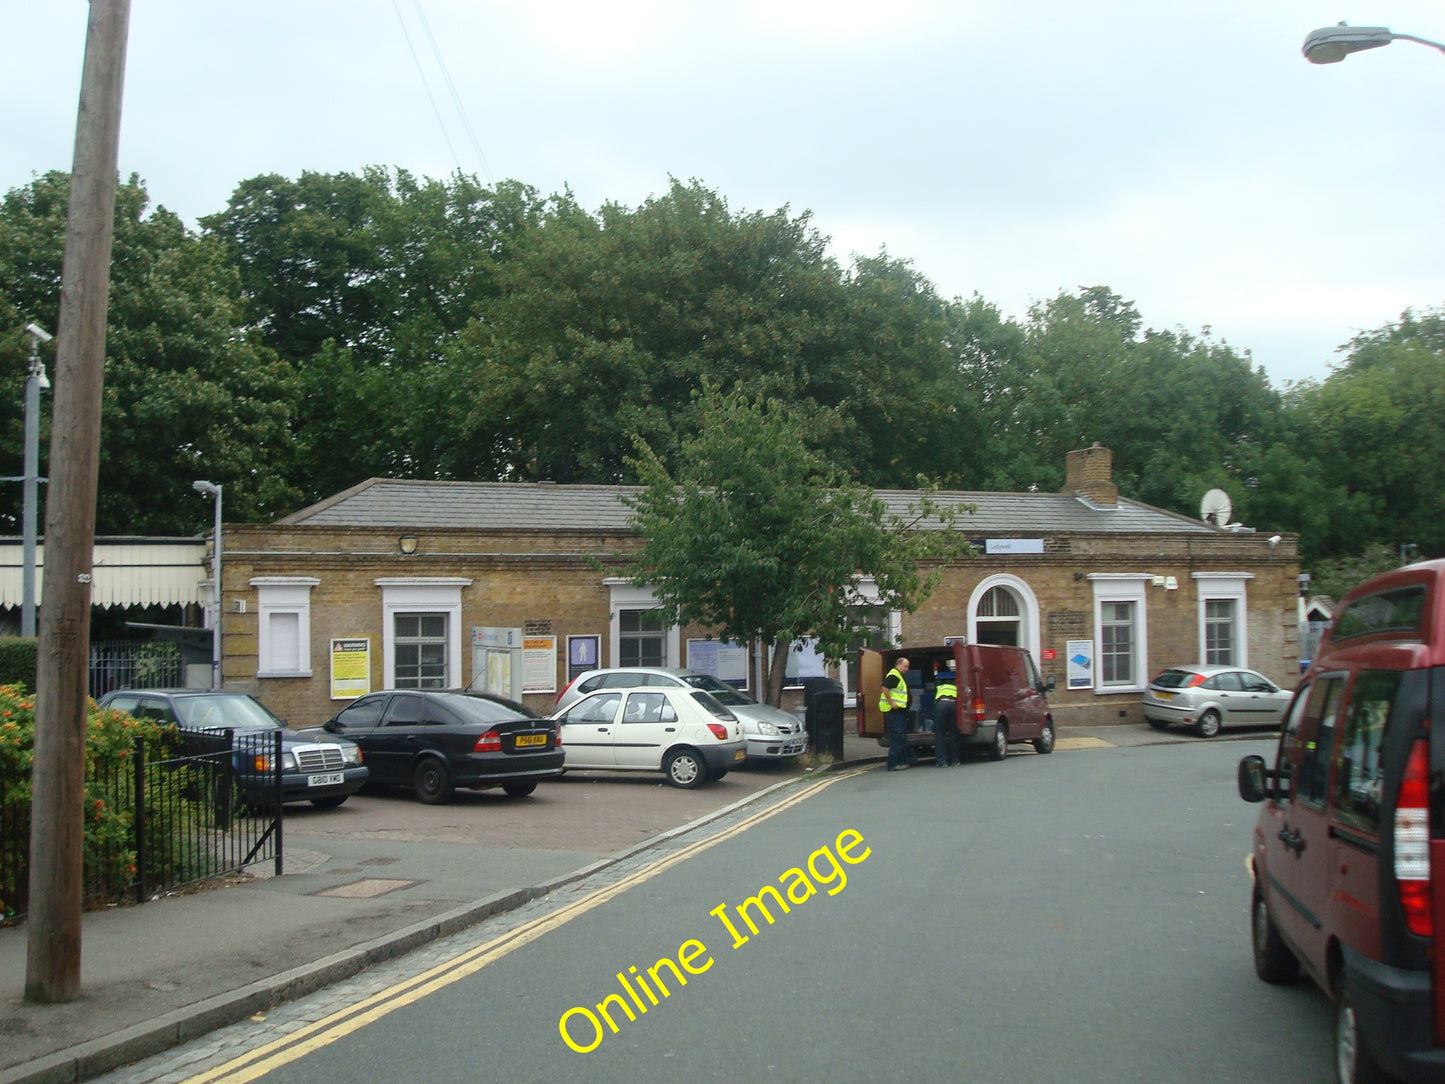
(896, 698)
(946, 690)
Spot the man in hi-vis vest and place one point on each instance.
(893, 703)
(945, 719)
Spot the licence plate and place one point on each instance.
(329, 780)
(1163, 696)
(528, 740)
(740, 754)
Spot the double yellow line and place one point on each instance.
(321, 1033)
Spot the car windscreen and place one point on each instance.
(722, 691)
(224, 713)
(1173, 679)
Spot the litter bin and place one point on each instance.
(823, 703)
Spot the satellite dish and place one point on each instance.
(1215, 508)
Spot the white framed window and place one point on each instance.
(283, 625)
(640, 634)
(1223, 617)
(1121, 631)
(421, 641)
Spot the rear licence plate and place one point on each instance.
(329, 780)
(1163, 696)
(527, 740)
(740, 754)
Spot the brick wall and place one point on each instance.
(555, 580)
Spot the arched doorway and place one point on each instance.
(998, 617)
(1002, 609)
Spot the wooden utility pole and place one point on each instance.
(57, 804)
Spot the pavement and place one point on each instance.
(161, 974)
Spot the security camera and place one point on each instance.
(1274, 540)
(39, 332)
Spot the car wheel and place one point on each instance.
(1159, 724)
(432, 781)
(1354, 1064)
(520, 790)
(999, 749)
(1044, 743)
(1273, 960)
(715, 776)
(685, 768)
(329, 803)
(1208, 724)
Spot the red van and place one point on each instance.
(1351, 831)
(1000, 695)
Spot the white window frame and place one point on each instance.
(278, 596)
(1213, 586)
(440, 594)
(1122, 587)
(625, 595)
(1028, 617)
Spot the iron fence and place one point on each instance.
(134, 664)
(210, 808)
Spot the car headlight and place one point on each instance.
(351, 755)
(288, 762)
(769, 730)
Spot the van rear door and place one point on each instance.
(870, 685)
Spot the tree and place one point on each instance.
(756, 536)
(362, 282)
(607, 324)
(188, 393)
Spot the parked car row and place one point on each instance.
(435, 741)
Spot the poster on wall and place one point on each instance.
(1081, 664)
(350, 668)
(539, 664)
(726, 661)
(582, 654)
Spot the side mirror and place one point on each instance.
(1251, 780)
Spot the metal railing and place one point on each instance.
(134, 664)
(210, 808)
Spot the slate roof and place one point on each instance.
(534, 506)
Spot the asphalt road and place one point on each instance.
(1077, 917)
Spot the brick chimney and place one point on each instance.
(1089, 473)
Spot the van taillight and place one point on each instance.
(1412, 841)
(979, 712)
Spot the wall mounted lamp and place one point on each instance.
(407, 544)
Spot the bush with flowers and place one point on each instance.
(110, 749)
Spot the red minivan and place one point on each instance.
(1000, 695)
(1351, 832)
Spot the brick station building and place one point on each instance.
(507, 585)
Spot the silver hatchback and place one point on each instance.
(1210, 697)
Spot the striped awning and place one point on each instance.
(128, 572)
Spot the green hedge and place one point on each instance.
(18, 660)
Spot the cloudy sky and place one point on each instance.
(1182, 153)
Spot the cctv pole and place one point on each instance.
(57, 815)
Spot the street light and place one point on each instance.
(1331, 44)
(214, 490)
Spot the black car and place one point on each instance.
(435, 742)
(320, 769)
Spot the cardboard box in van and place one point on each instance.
(1001, 697)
